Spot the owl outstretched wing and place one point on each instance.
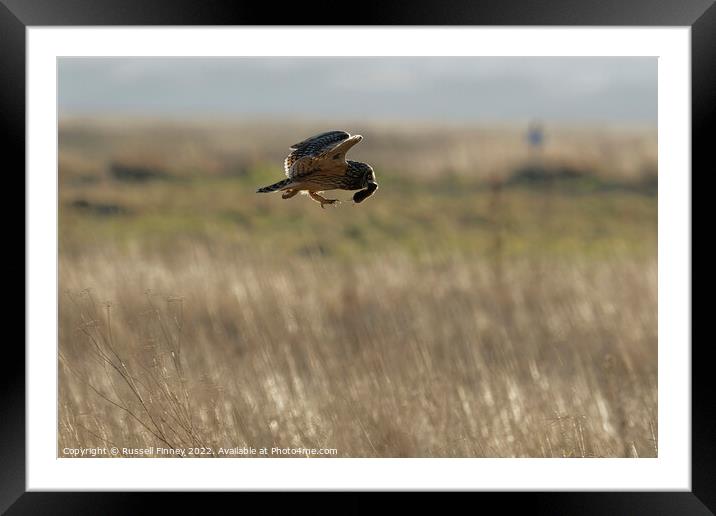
(308, 155)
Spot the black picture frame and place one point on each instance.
(17, 15)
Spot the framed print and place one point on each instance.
(445, 249)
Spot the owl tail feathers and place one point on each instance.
(274, 187)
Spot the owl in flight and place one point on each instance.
(319, 164)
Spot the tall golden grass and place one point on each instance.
(386, 357)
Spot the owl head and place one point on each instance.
(362, 172)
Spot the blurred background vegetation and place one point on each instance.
(588, 192)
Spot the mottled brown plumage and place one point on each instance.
(319, 164)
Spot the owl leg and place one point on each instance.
(322, 200)
(289, 193)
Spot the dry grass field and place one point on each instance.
(481, 306)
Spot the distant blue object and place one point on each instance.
(535, 135)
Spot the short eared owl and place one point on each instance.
(319, 164)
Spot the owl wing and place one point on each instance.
(313, 152)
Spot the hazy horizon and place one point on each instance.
(449, 89)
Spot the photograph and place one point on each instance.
(357, 257)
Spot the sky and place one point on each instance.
(463, 89)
